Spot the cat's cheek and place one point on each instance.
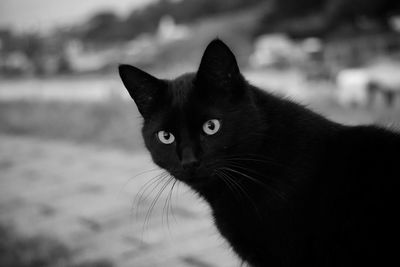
(207, 146)
(164, 156)
(163, 163)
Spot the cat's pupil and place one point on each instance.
(166, 135)
(211, 125)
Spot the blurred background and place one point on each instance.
(77, 187)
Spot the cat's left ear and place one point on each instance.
(145, 89)
(218, 67)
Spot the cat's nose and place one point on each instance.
(189, 159)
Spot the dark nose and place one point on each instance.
(189, 159)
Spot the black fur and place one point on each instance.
(286, 186)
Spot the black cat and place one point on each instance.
(286, 186)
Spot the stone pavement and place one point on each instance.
(87, 197)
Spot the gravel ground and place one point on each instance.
(87, 197)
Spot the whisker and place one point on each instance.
(228, 183)
(165, 206)
(137, 175)
(268, 187)
(169, 199)
(243, 175)
(237, 165)
(139, 196)
(246, 194)
(153, 203)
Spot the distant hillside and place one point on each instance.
(297, 18)
(325, 18)
(235, 28)
(107, 27)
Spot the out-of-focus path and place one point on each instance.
(85, 196)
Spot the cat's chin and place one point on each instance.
(195, 180)
(198, 182)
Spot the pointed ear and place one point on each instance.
(218, 66)
(144, 89)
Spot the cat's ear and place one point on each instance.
(144, 89)
(218, 66)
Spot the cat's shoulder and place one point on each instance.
(369, 136)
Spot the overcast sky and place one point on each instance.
(41, 15)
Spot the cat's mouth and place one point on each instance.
(194, 177)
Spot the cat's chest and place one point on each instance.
(241, 223)
(245, 235)
(257, 232)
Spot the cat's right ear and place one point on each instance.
(144, 88)
(218, 67)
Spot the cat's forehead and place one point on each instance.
(180, 89)
(183, 105)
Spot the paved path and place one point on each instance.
(85, 196)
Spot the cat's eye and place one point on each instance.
(165, 137)
(211, 127)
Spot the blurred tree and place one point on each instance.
(64, 65)
(103, 27)
(6, 39)
(303, 18)
(107, 27)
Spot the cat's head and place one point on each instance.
(196, 122)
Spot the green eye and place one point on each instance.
(211, 127)
(165, 137)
